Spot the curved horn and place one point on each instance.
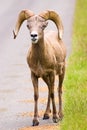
(52, 15)
(23, 15)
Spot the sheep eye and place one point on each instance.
(43, 27)
(27, 26)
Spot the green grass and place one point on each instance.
(75, 95)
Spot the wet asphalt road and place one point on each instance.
(16, 91)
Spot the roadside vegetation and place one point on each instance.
(75, 94)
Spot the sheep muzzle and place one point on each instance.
(34, 37)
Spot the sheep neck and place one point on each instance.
(38, 49)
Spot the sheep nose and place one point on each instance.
(33, 35)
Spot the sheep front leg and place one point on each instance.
(36, 95)
(48, 110)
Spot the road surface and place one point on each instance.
(16, 91)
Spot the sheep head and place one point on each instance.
(37, 23)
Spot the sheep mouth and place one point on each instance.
(34, 40)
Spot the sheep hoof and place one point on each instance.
(60, 116)
(35, 122)
(46, 116)
(55, 119)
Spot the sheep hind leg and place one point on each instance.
(48, 110)
(36, 95)
(50, 82)
(61, 78)
(55, 117)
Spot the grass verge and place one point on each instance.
(75, 108)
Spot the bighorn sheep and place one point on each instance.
(46, 57)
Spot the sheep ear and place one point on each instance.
(52, 15)
(23, 15)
